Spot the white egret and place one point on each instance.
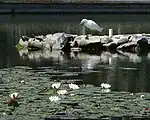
(91, 25)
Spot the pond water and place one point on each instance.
(124, 71)
(32, 75)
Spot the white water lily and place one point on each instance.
(105, 86)
(22, 81)
(72, 94)
(61, 92)
(142, 96)
(13, 95)
(54, 98)
(56, 85)
(131, 94)
(73, 86)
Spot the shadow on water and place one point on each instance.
(125, 72)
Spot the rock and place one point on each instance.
(66, 46)
(143, 43)
(111, 45)
(128, 47)
(34, 43)
(122, 41)
(105, 39)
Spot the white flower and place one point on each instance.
(22, 81)
(56, 85)
(71, 94)
(4, 113)
(131, 94)
(61, 92)
(14, 95)
(142, 96)
(105, 86)
(54, 98)
(73, 86)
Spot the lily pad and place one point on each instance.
(48, 92)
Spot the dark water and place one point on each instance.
(125, 72)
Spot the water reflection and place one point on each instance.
(124, 71)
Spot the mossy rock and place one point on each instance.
(19, 47)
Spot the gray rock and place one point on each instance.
(111, 45)
(122, 41)
(127, 46)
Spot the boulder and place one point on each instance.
(122, 41)
(105, 39)
(130, 47)
(111, 45)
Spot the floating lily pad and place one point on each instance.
(48, 92)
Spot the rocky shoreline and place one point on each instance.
(134, 43)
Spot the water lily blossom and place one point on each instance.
(62, 92)
(56, 85)
(73, 86)
(142, 96)
(22, 81)
(14, 95)
(105, 86)
(54, 98)
(13, 100)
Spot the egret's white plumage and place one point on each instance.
(91, 25)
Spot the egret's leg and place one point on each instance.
(83, 30)
(119, 29)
